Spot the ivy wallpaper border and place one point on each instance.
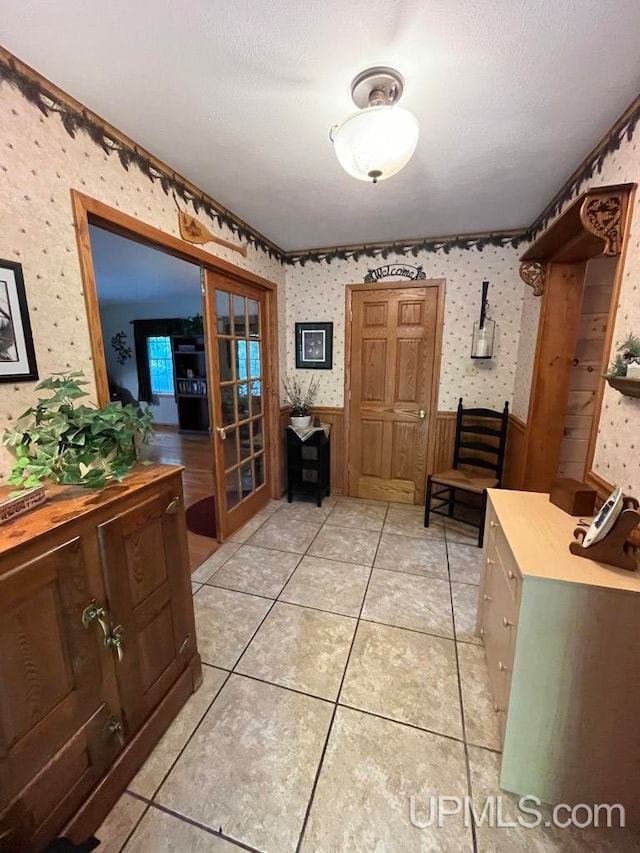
(34, 88)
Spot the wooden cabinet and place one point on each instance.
(560, 639)
(309, 464)
(98, 650)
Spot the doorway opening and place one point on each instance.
(151, 316)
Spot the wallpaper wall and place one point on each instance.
(39, 165)
(617, 456)
(316, 291)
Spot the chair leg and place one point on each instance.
(482, 518)
(452, 501)
(427, 503)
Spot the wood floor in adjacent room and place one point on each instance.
(196, 454)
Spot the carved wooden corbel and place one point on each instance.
(601, 215)
(534, 274)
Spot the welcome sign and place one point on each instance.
(392, 270)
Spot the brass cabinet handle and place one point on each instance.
(511, 575)
(112, 637)
(172, 507)
(482, 632)
(490, 562)
(494, 524)
(501, 666)
(184, 645)
(496, 708)
(115, 728)
(506, 622)
(486, 597)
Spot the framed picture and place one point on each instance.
(314, 346)
(17, 356)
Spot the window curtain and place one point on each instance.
(143, 329)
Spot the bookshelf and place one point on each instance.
(191, 384)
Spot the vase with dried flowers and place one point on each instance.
(627, 360)
(298, 399)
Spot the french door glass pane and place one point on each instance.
(230, 445)
(258, 463)
(242, 362)
(232, 488)
(253, 313)
(257, 435)
(226, 363)
(245, 441)
(228, 408)
(239, 318)
(223, 313)
(254, 358)
(243, 401)
(246, 478)
(256, 398)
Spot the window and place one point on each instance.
(160, 364)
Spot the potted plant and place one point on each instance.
(627, 360)
(67, 443)
(299, 400)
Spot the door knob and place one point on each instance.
(421, 414)
(221, 432)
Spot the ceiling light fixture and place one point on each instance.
(379, 140)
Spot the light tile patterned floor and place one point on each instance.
(342, 677)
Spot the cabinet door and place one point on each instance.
(146, 570)
(57, 695)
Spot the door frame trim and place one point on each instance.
(88, 210)
(441, 285)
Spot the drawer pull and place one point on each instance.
(483, 633)
(511, 575)
(490, 562)
(486, 597)
(506, 622)
(173, 507)
(501, 666)
(496, 708)
(495, 524)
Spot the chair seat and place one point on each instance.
(467, 480)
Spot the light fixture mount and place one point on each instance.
(379, 139)
(379, 86)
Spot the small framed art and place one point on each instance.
(17, 355)
(314, 346)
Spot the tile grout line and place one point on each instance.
(474, 838)
(320, 767)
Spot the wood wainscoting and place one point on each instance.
(445, 434)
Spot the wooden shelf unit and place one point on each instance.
(191, 383)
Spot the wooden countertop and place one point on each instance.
(539, 534)
(66, 503)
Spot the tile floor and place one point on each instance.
(342, 678)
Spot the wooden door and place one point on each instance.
(239, 349)
(393, 376)
(146, 568)
(55, 741)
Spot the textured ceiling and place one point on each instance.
(239, 97)
(127, 271)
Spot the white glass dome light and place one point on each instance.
(379, 140)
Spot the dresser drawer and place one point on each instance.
(498, 550)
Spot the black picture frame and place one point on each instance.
(314, 346)
(17, 354)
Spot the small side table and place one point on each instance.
(309, 461)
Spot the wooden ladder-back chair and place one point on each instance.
(481, 436)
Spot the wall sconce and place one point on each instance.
(484, 330)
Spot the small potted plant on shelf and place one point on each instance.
(75, 444)
(299, 400)
(627, 360)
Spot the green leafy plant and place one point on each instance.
(299, 400)
(628, 352)
(70, 443)
(193, 326)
